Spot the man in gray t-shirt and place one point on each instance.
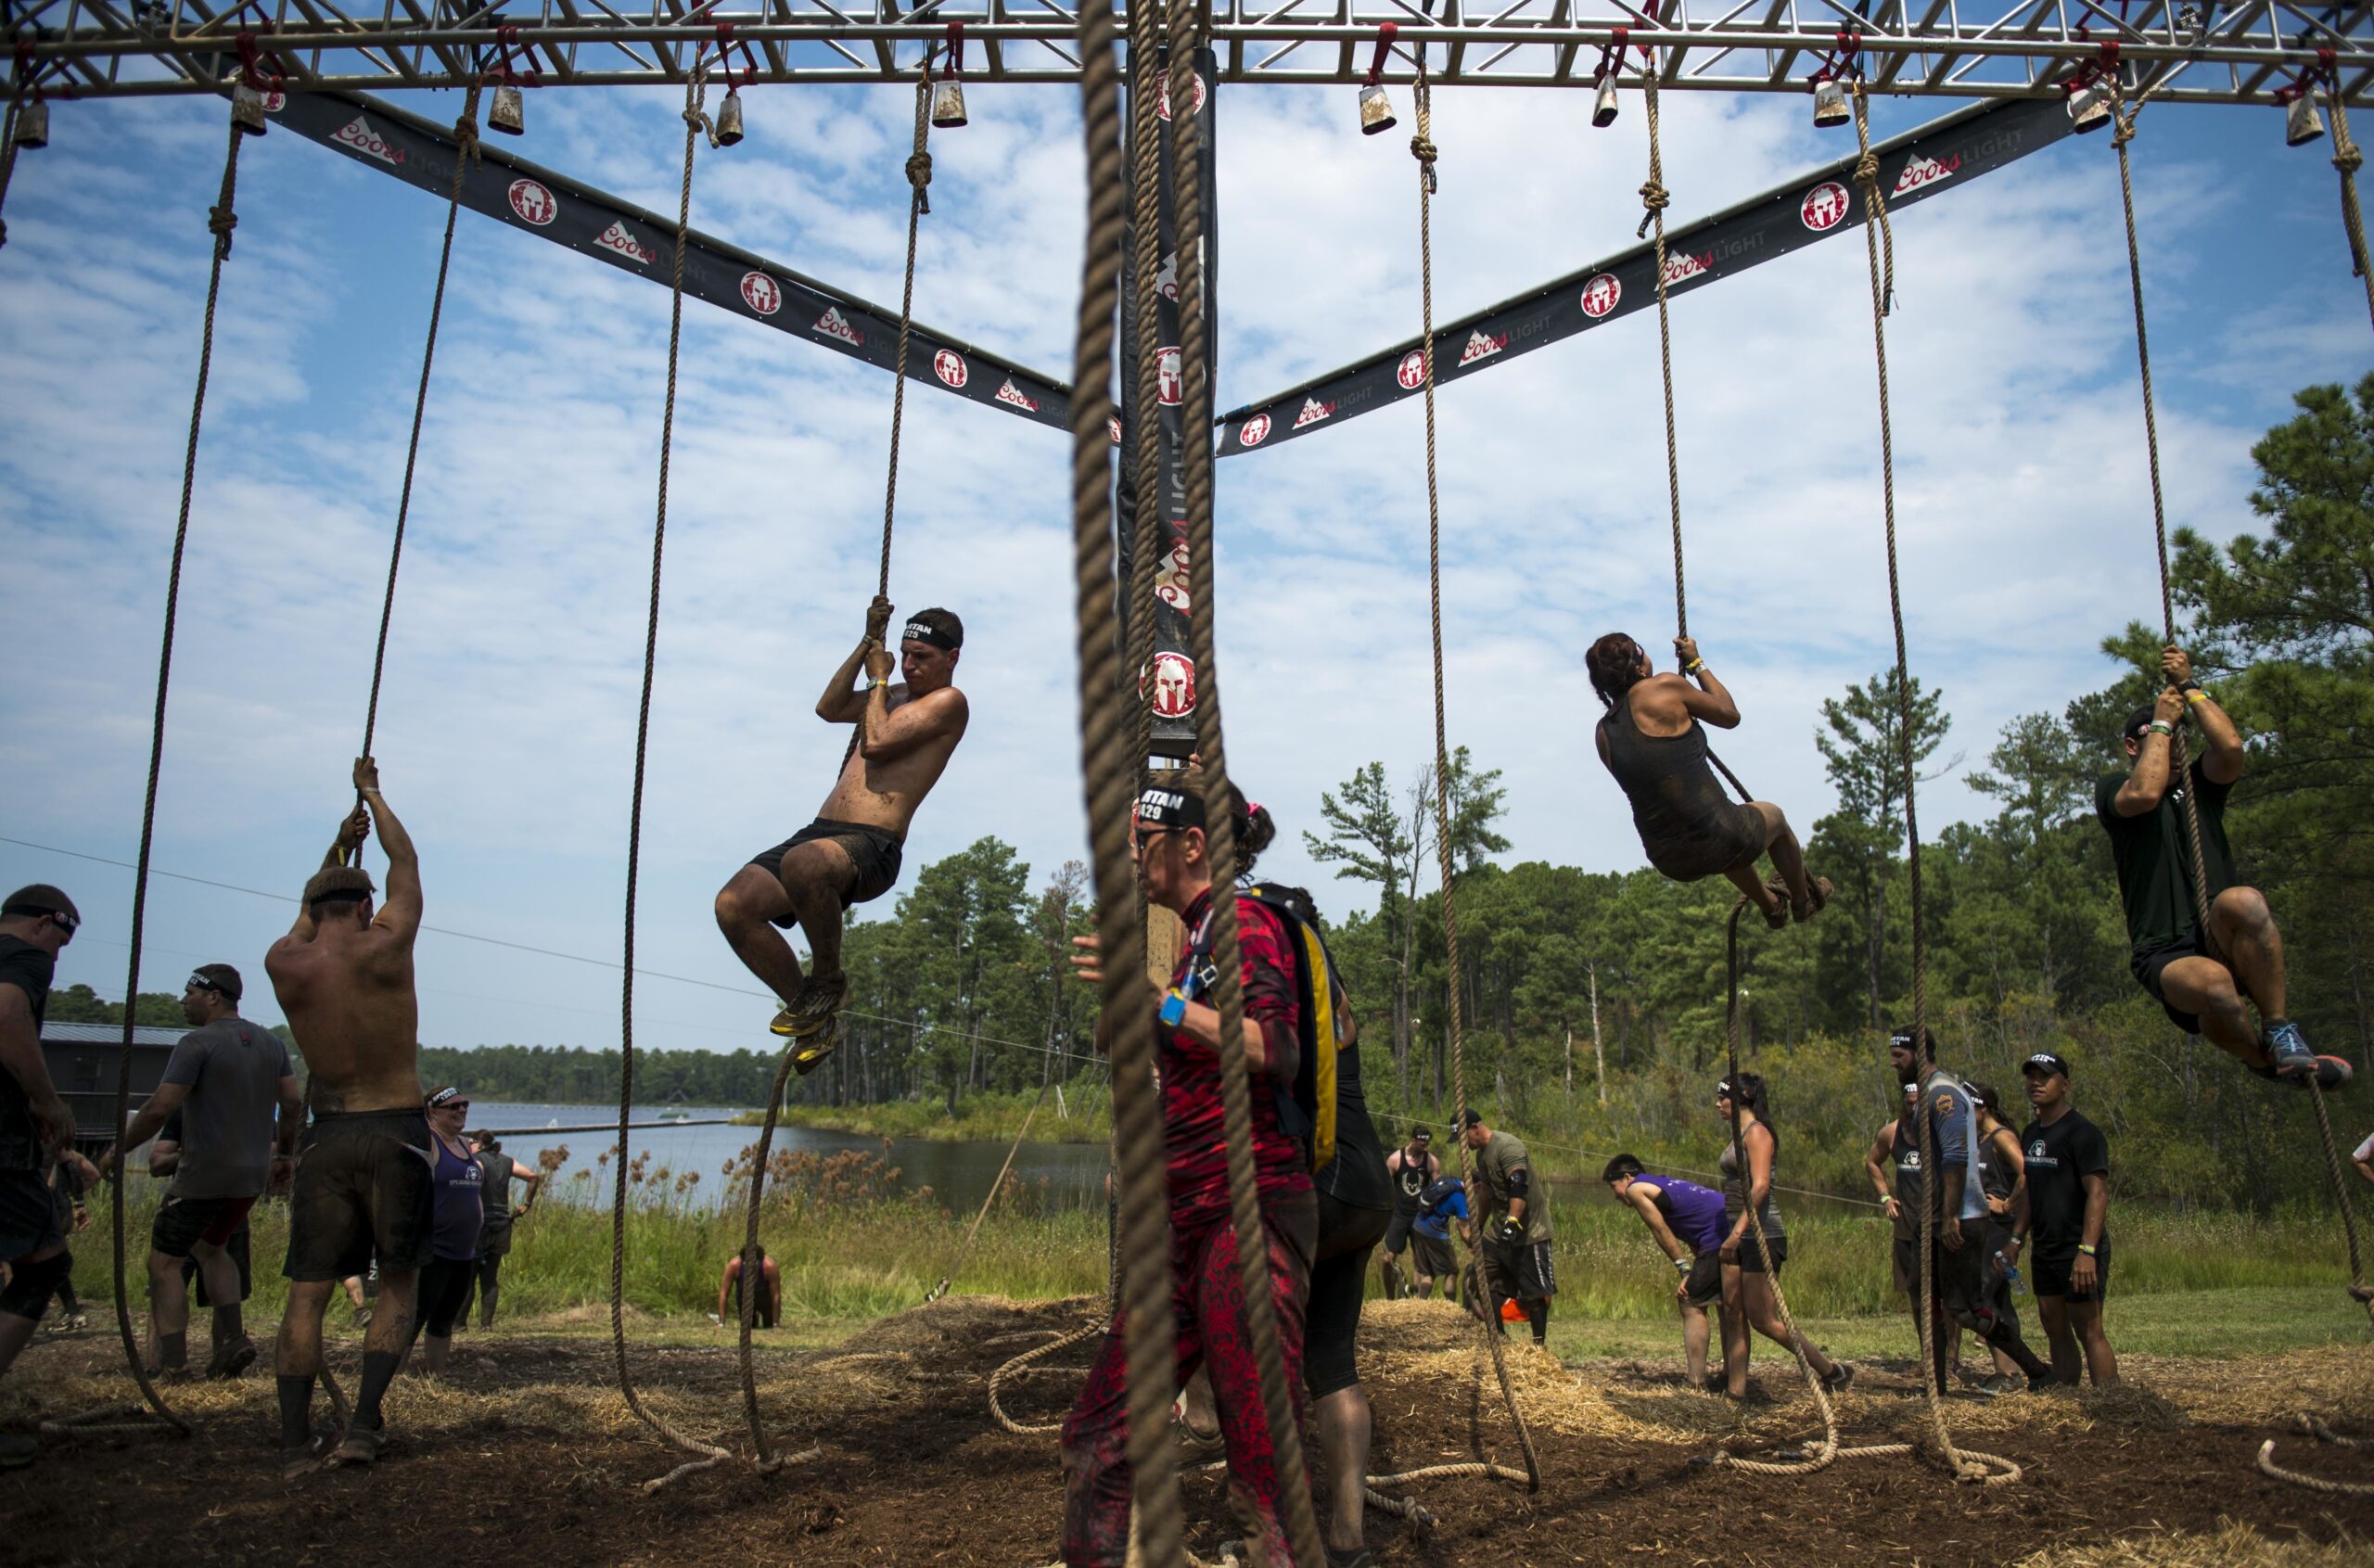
(228, 1079)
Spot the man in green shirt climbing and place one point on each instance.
(1514, 1212)
(2202, 985)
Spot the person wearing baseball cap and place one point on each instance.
(2203, 980)
(35, 923)
(2066, 1222)
(851, 853)
(1413, 1168)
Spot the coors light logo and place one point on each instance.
(1684, 266)
(619, 239)
(1313, 410)
(1480, 347)
(1926, 171)
(761, 293)
(533, 203)
(1016, 397)
(1601, 295)
(357, 134)
(833, 325)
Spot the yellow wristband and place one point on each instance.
(1693, 666)
(2196, 696)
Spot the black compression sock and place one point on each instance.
(378, 1371)
(1537, 1313)
(296, 1411)
(229, 1326)
(172, 1351)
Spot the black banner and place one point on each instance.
(1170, 685)
(556, 208)
(1913, 167)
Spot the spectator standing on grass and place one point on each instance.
(1686, 1221)
(1517, 1235)
(498, 1171)
(241, 1109)
(457, 1216)
(35, 923)
(1413, 1168)
(2066, 1223)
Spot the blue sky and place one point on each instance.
(507, 723)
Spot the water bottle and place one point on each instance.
(2011, 1275)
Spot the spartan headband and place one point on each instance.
(922, 633)
(1170, 808)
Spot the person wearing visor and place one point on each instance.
(1748, 1166)
(457, 1215)
(2202, 985)
(849, 854)
(240, 1110)
(1653, 741)
(344, 978)
(1413, 1168)
(2064, 1224)
(1168, 845)
(35, 1124)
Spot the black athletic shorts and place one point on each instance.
(1522, 1271)
(1734, 834)
(28, 1215)
(1703, 1286)
(874, 851)
(1431, 1257)
(1752, 1256)
(182, 1223)
(2050, 1265)
(1963, 1291)
(362, 1186)
(2148, 963)
(1338, 1281)
(1396, 1234)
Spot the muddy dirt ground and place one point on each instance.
(526, 1453)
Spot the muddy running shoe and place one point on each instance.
(18, 1450)
(810, 1050)
(1196, 1449)
(811, 1011)
(232, 1359)
(302, 1461)
(358, 1447)
(2289, 1047)
(1840, 1375)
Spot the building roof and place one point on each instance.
(108, 1034)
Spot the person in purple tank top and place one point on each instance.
(1686, 1221)
(458, 1211)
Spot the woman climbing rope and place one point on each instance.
(1652, 742)
(1167, 843)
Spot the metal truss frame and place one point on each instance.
(2196, 51)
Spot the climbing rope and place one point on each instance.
(1421, 147)
(918, 203)
(1087, 1331)
(704, 1454)
(2347, 162)
(996, 1186)
(2322, 1433)
(1146, 31)
(1108, 778)
(1301, 1522)
(466, 153)
(2179, 757)
(220, 220)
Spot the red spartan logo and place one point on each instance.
(1601, 294)
(1174, 685)
(1411, 370)
(949, 365)
(1009, 393)
(1162, 95)
(761, 293)
(533, 203)
(1113, 428)
(1253, 431)
(1171, 380)
(1825, 207)
(274, 101)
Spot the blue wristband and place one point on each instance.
(1174, 1008)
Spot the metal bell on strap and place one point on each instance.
(247, 109)
(1604, 102)
(2089, 108)
(947, 105)
(729, 119)
(2302, 124)
(1376, 109)
(1829, 104)
(508, 112)
(32, 123)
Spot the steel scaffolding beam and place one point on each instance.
(2202, 51)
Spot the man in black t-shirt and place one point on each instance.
(2066, 1212)
(35, 923)
(1413, 1168)
(2202, 985)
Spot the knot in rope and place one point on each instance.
(698, 122)
(465, 138)
(2349, 160)
(219, 221)
(919, 170)
(1422, 149)
(2122, 129)
(1655, 198)
(1867, 169)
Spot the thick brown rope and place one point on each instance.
(706, 1454)
(997, 1378)
(1146, 30)
(1109, 780)
(2347, 162)
(964, 1248)
(466, 153)
(754, 1270)
(1300, 1520)
(918, 203)
(1421, 147)
(220, 220)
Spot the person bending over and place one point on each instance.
(1431, 1259)
(1414, 1168)
(1653, 741)
(768, 1305)
(849, 854)
(2067, 1213)
(498, 1170)
(1747, 1165)
(1517, 1232)
(1686, 1221)
(344, 977)
(35, 1126)
(1167, 842)
(2202, 985)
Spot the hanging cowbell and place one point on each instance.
(1829, 104)
(508, 112)
(32, 123)
(2089, 108)
(247, 109)
(2302, 124)
(1604, 103)
(1376, 109)
(729, 119)
(947, 105)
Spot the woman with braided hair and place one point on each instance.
(1653, 741)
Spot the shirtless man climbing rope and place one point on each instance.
(344, 977)
(849, 854)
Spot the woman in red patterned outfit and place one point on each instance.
(1206, 1299)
